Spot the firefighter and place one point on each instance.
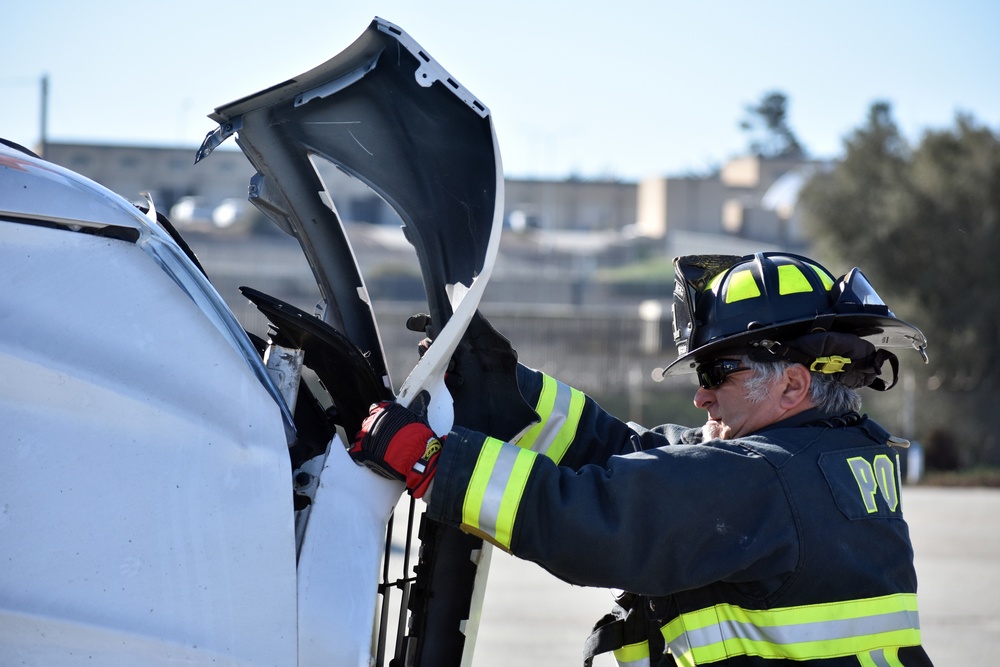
(774, 533)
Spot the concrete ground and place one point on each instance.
(531, 619)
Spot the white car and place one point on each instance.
(170, 491)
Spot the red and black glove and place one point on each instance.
(397, 444)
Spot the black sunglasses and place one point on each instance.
(711, 374)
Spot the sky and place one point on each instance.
(617, 89)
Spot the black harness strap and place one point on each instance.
(627, 624)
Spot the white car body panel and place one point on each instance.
(337, 580)
(121, 467)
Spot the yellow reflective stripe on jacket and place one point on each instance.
(559, 407)
(633, 655)
(810, 632)
(495, 490)
(887, 657)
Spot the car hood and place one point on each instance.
(387, 113)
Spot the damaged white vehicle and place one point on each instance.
(171, 491)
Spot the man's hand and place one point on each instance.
(421, 323)
(482, 379)
(395, 443)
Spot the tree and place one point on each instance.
(767, 124)
(924, 225)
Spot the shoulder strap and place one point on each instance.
(626, 625)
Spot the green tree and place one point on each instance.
(924, 225)
(767, 124)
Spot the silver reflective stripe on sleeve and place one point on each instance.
(495, 489)
(559, 407)
(633, 655)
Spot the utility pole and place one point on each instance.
(44, 130)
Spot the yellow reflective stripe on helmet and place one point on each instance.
(742, 285)
(495, 490)
(792, 281)
(812, 632)
(559, 407)
(633, 655)
(824, 277)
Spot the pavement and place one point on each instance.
(531, 619)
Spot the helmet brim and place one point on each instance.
(880, 330)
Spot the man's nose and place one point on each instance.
(703, 398)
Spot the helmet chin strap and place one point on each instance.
(855, 362)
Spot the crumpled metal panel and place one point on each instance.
(383, 111)
(386, 113)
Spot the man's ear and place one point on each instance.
(795, 388)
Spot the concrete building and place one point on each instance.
(748, 205)
(573, 204)
(172, 178)
(751, 201)
(168, 174)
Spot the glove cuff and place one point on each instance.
(419, 477)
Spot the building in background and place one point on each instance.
(748, 204)
(554, 287)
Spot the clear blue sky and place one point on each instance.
(622, 88)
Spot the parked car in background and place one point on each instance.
(200, 214)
